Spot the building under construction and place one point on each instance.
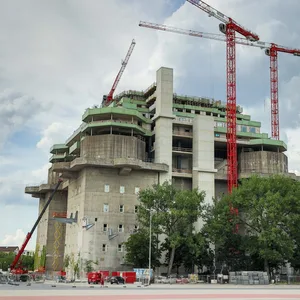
(141, 138)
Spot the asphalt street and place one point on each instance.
(54, 291)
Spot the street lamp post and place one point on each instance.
(150, 242)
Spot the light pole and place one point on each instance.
(150, 242)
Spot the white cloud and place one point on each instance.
(55, 133)
(14, 239)
(15, 110)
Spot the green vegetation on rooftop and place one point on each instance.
(269, 142)
(113, 110)
(118, 124)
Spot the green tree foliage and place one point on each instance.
(174, 213)
(269, 210)
(89, 265)
(43, 257)
(74, 265)
(137, 249)
(6, 260)
(37, 257)
(66, 262)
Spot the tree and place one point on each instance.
(74, 265)
(6, 259)
(89, 265)
(174, 214)
(268, 212)
(137, 253)
(66, 262)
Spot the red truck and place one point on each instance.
(96, 278)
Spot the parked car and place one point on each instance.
(117, 280)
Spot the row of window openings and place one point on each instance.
(122, 189)
(120, 227)
(241, 128)
(121, 208)
(120, 248)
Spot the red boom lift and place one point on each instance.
(16, 266)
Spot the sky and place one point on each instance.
(58, 57)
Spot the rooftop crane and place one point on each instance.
(108, 98)
(229, 27)
(16, 262)
(271, 50)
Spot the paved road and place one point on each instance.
(158, 292)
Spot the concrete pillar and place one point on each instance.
(203, 158)
(164, 120)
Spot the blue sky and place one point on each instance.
(59, 57)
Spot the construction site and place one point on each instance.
(135, 139)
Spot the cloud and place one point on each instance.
(12, 185)
(55, 133)
(15, 111)
(14, 239)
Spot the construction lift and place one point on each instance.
(271, 50)
(107, 99)
(16, 266)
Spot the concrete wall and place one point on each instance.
(220, 188)
(113, 146)
(182, 183)
(56, 238)
(203, 158)
(263, 162)
(52, 176)
(46, 235)
(76, 196)
(42, 229)
(163, 120)
(90, 200)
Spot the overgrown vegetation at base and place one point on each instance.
(263, 235)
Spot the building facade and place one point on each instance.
(142, 138)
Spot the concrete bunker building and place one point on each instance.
(141, 139)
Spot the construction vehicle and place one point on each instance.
(16, 267)
(107, 99)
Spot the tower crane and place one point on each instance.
(108, 98)
(271, 50)
(229, 27)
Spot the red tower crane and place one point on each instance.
(108, 98)
(229, 27)
(271, 50)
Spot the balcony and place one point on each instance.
(58, 148)
(183, 133)
(187, 173)
(181, 149)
